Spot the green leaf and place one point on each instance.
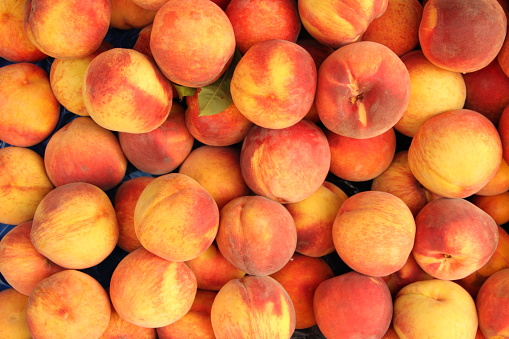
(184, 91)
(216, 97)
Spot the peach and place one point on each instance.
(503, 130)
(454, 238)
(125, 199)
(15, 45)
(499, 183)
(274, 83)
(152, 5)
(443, 303)
(242, 221)
(300, 277)
(217, 169)
(188, 34)
(66, 79)
(13, 319)
(361, 159)
(409, 273)
(503, 55)
(286, 165)
(142, 43)
(497, 206)
(314, 217)
(492, 307)
(176, 218)
(337, 23)
(149, 291)
(126, 14)
(223, 129)
(75, 226)
(357, 96)
(398, 179)
(455, 153)
(487, 91)
(69, 303)
(194, 324)
(83, 151)
(30, 123)
(433, 90)
(398, 27)
(213, 270)
(124, 91)
(67, 29)
(260, 20)
(119, 328)
(253, 307)
(353, 305)
(23, 184)
(164, 148)
(462, 36)
(20, 263)
(368, 252)
(390, 334)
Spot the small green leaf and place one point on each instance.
(216, 97)
(184, 91)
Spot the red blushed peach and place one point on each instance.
(13, 319)
(213, 270)
(119, 328)
(253, 307)
(75, 226)
(409, 273)
(454, 238)
(69, 303)
(353, 305)
(363, 90)
(142, 43)
(66, 79)
(487, 91)
(398, 27)
(125, 201)
(15, 45)
(196, 323)
(398, 179)
(31, 122)
(497, 206)
(462, 36)
(242, 221)
(217, 169)
(300, 277)
(286, 165)
(314, 217)
(223, 129)
(499, 183)
(260, 20)
(83, 151)
(274, 83)
(492, 304)
(164, 148)
(176, 218)
(377, 253)
(361, 159)
(455, 153)
(188, 34)
(23, 184)
(124, 91)
(503, 130)
(337, 23)
(67, 29)
(149, 291)
(21, 264)
(126, 14)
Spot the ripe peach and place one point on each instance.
(353, 305)
(124, 91)
(372, 253)
(253, 307)
(188, 34)
(286, 165)
(391, 333)
(497, 206)
(274, 83)
(33, 121)
(176, 218)
(242, 221)
(492, 307)
(119, 328)
(83, 151)
(75, 226)
(152, 5)
(499, 183)
(126, 14)
(142, 43)
(409, 273)
(454, 238)
(149, 291)
(357, 96)
(13, 318)
(455, 153)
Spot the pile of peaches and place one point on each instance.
(254, 169)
